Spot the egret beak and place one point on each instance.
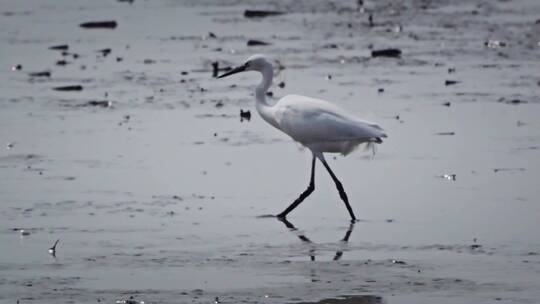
(234, 71)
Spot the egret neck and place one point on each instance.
(264, 109)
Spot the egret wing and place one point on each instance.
(309, 120)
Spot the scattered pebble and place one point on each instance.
(24, 232)
(99, 25)
(446, 104)
(17, 67)
(398, 262)
(450, 82)
(281, 84)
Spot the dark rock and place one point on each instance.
(69, 88)
(40, 74)
(446, 104)
(393, 53)
(281, 84)
(97, 103)
(245, 115)
(99, 25)
(252, 42)
(61, 47)
(261, 13)
(104, 52)
(450, 82)
(62, 62)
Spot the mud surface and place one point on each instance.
(144, 170)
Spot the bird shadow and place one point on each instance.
(312, 252)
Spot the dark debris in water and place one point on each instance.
(261, 13)
(70, 88)
(514, 101)
(450, 82)
(446, 133)
(245, 115)
(130, 300)
(98, 103)
(104, 52)
(110, 24)
(40, 74)
(451, 177)
(62, 62)
(356, 299)
(392, 53)
(496, 170)
(60, 47)
(253, 42)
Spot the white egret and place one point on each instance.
(316, 124)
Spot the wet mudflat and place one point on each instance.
(143, 168)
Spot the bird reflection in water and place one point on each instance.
(305, 239)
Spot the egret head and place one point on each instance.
(256, 62)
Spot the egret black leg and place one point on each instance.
(304, 194)
(345, 240)
(339, 187)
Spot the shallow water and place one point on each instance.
(159, 196)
